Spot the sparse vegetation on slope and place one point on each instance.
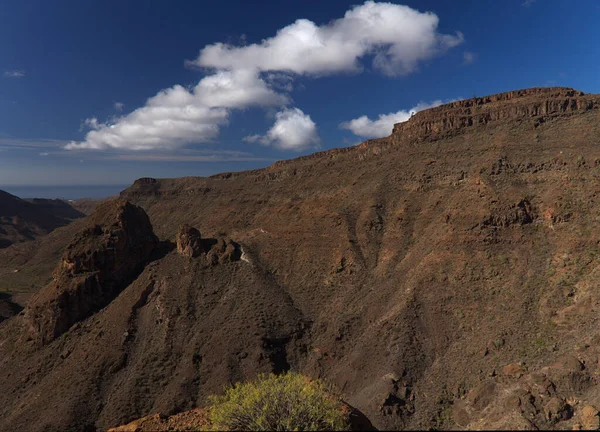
(278, 402)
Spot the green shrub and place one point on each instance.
(278, 402)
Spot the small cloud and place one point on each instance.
(366, 128)
(119, 106)
(44, 154)
(527, 3)
(14, 74)
(292, 130)
(90, 123)
(468, 57)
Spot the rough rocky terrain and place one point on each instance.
(23, 221)
(443, 277)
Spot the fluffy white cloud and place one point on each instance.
(365, 127)
(395, 36)
(178, 116)
(398, 37)
(119, 106)
(237, 89)
(292, 130)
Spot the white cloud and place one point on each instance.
(293, 130)
(468, 57)
(44, 154)
(237, 89)
(365, 127)
(178, 116)
(399, 38)
(91, 123)
(119, 106)
(14, 74)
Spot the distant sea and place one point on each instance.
(64, 192)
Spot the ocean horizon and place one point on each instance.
(65, 192)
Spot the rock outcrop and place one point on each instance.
(196, 419)
(189, 241)
(98, 263)
(537, 104)
(214, 251)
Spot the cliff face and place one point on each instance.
(99, 262)
(536, 104)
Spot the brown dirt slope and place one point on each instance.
(23, 220)
(443, 277)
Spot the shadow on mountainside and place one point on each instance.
(7, 307)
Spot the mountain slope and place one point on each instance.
(23, 220)
(441, 277)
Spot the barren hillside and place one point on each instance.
(445, 276)
(22, 220)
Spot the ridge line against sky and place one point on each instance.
(120, 90)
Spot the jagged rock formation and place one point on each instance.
(440, 279)
(217, 251)
(98, 263)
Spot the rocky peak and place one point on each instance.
(96, 266)
(213, 251)
(537, 104)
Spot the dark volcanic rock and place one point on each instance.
(223, 251)
(218, 251)
(189, 241)
(98, 263)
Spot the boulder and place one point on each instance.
(557, 410)
(513, 370)
(189, 241)
(589, 418)
(223, 251)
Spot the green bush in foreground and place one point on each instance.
(280, 403)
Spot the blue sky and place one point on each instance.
(246, 84)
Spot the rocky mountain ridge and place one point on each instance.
(443, 279)
(535, 104)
